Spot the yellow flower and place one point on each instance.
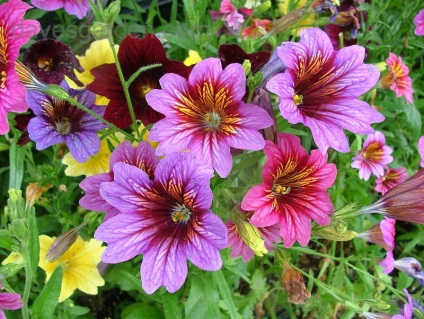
(97, 54)
(193, 58)
(96, 164)
(13, 258)
(285, 6)
(145, 136)
(79, 266)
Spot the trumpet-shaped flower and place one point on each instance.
(320, 89)
(382, 234)
(142, 157)
(78, 8)
(393, 177)
(133, 54)
(397, 78)
(166, 219)
(79, 266)
(411, 267)
(293, 192)
(408, 309)
(419, 23)
(206, 114)
(14, 32)
(9, 301)
(374, 156)
(58, 121)
(402, 202)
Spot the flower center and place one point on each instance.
(373, 152)
(280, 190)
(45, 63)
(298, 99)
(181, 213)
(212, 121)
(64, 126)
(65, 264)
(144, 90)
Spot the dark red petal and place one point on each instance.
(106, 82)
(232, 53)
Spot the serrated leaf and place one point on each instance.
(203, 299)
(46, 303)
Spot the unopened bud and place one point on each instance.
(251, 236)
(292, 281)
(337, 230)
(264, 6)
(57, 92)
(247, 67)
(262, 99)
(62, 243)
(112, 12)
(100, 30)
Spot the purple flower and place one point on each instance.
(320, 89)
(166, 219)
(419, 23)
(393, 177)
(143, 157)
(374, 156)
(59, 121)
(9, 301)
(407, 309)
(421, 150)
(411, 267)
(79, 8)
(206, 114)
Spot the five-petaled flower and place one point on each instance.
(166, 219)
(373, 157)
(320, 89)
(58, 121)
(133, 54)
(397, 78)
(14, 32)
(294, 190)
(206, 114)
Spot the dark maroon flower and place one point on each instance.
(134, 53)
(51, 60)
(232, 53)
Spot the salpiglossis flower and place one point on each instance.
(14, 32)
(419, 23)
(166, 219)
(9, 301)
(206, 115)
(79, 266)
(373, 157)
(79, 8)
(320, 89)
(293, 192)
(392, 177)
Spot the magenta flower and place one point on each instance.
(320, 89)
(393, 177)
(78, 8)
(408, 309)
(58, 121)
(9, 301)
(397, 78)
(294, 190)
(14, 33)
(206, 115)
(375, 154)
(388, 263)
(419, 23)
(387, 226)
(166, 219)
(142, 157)
(228, 12)
(382, 234)
(421, 150)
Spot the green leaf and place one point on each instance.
(225, 292)
(46, 303)
(122, 275)
(33, 242)
(141, 311)
(203, 299)
(16, 158)
(171, 306)
(6, 241)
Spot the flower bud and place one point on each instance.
(57, 92)
(337, 230)
(62, 243)
(247, 67)
(100, 30)
(112, 12)
(251, 236)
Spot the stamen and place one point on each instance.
(212, 121)
(181, 213)
(298, 99)
(2, 79)
(63, 127)
(280, 190)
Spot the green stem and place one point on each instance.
(125, 87)
(137, 11)
(28, 284)
(140, 70)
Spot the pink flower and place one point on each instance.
(14, 32)
(79, 8)
(293, 192)
(321, 86)
(206, 114)
(387, 226)
(382, 234)
(230, 15)
(257, 28)
(388, 263)
(408, 309)
(419, 23)
(373, 156)
(421, 150)
(393, 177)
(397, 78)
(167, 219)
(9, 301)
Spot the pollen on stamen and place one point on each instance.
(212, 121)
(181, 213)
(281, 190)
(298, 99)
(2, 79)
